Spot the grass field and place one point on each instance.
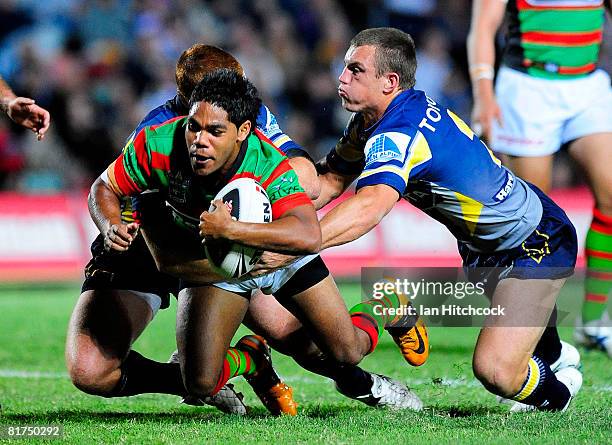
(35, 390)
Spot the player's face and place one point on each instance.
(359, 88)
(213, 141)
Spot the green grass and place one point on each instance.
(32, 341)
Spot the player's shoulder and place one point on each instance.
(159, 115)
(403, 114)
(391, 137)
(262, 146)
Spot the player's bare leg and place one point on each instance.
(103, 326)
(285, 333)
(534, 169)
(207, 319)
(503, 357)
(594, 154)
(323, 313)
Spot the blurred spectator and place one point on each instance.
(99, 65)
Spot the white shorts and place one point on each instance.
(540, 115)
(269, 283)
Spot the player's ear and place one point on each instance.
(392, 82)
(244, 130)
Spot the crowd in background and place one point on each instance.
(99, 65)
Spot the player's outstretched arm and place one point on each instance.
(297, 231)
(487, 16)
(357, 215)
(24, 111)
(105, 210)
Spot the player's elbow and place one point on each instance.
(309, 241)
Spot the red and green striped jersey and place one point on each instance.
(556, 39)
(157, 159)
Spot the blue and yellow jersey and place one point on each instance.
(435, 161)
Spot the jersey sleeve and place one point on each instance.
(268, 125)
(130, 173)
(393, 156)
(284, 190)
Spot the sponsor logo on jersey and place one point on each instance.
(387, 147)
(178, 187)
(507, 188)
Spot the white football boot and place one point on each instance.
(595, 334)
(227, 399)
(388, 393)
(572, 378)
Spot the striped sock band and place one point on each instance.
(599, 267)
(372, 316)
(236, 362)
(541, 387)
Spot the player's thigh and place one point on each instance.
(207, 319)
(534, 169)
(507, 342)
(593, 153)
(105, 323)
(270, 319)
(324, 314)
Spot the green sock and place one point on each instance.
(372, 315)
(236, 362)
(599, 267)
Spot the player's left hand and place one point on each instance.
(216, 223)
(25, 112)
(271, 261)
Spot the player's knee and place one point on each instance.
(200, 384)
(93, 376)
(346, 354)
(499, 377)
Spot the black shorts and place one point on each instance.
(133, 269)
(549, 252)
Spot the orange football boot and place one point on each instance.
(412, 341)
(276, 395)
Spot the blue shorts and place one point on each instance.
(549, 252)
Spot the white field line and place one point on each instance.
(443, 381)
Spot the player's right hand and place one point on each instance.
(484, 112)
(119, 237)
(24, 111)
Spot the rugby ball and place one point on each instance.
(247, 201)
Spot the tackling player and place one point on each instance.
(127, 289)
(402, 144)
(221, 147)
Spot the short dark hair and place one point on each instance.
(231, 91)
(198, 60)
(394, 52)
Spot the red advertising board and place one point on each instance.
(47, 238)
